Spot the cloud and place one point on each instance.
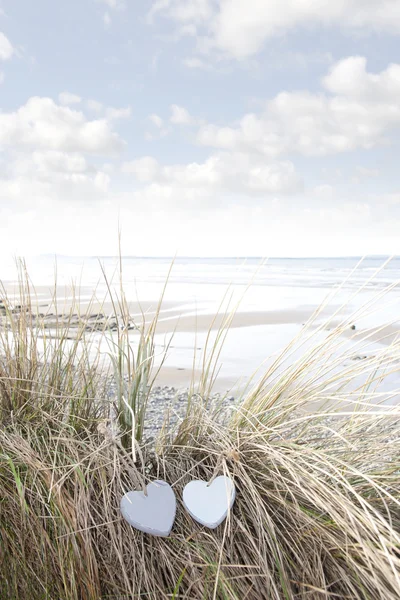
(324, 192)
(305, 224)
(184, 11)
(94, 106)
(114, 4)
(363, 114)
(66, 98)
(107, 20)
(181, 116)
(6, 49)
(240, 29)
(156, 120)
(349, 77)
(194, 62)
(48, 178)
(145, 169)
(158, 123)
(109, 112)
(50, 162)
(42, 124)
(234, 173)
(118, 113)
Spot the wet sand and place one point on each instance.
(174, 316)
(67, 305)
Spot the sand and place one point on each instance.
(254, 335)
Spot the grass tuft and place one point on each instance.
(317, 513)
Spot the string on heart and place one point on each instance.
(134, 471)
(133, 427)
(129, 459)
(134, 443)
(231, 454)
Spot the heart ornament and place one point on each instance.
(154, 513)
(209, 504)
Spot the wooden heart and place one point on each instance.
(209, 504)
(154, 513)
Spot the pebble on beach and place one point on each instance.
(167, 399)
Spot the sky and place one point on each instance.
(200, 127)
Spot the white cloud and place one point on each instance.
(109, 112)
(102, 181)
(183, 10)
(51, 167)
(181, 116)
(145, 169)
(235, 173)
(118, 113)
(45, 163)
(6, 49)
(157, 121)
(194, 62)
(42, 124)
(114, 4)
(363, 114)
(107, 20)
(48, 179)
(324, 192)
(66, 98)
(349, 77)
(94, 106)
(241, 29)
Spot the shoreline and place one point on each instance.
(255, 337)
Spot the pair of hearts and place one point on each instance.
(155, 513)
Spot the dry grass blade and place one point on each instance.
(317, 513)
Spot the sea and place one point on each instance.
(151, 273)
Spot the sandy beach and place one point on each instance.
(188, 328)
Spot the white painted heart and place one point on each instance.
(209, 504)
(154, 513)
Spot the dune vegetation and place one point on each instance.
(317, 512)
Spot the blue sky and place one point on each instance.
(203, 127)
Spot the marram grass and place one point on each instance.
(317, 512)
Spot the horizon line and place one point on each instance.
(177, 257)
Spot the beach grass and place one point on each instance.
(317, 512)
